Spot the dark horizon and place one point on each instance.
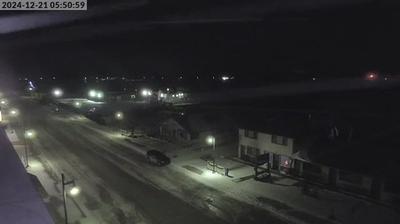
(345, 41)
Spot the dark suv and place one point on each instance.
(157, 158)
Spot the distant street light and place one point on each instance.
(57, 92)
(3, 102)
(146, 92)
(73, 192)
(100, 95)
(92, 93)
(119, 115)
(77, 104)
(225, 78)
(14, 112)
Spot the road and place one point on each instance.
(160, 195)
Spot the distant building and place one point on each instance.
(276, 140)
(186, 127)
(175, 130)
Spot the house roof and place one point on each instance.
(295, 126)
(198, 123)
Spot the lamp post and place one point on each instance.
(119, 116)
(29, 134)
(74, 191)
(211, 141)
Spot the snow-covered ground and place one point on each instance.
(93, 204)
(66, 143)
(95, 157)
(283, 197)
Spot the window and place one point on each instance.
(253, 152)
(250, 134)
(280, 140)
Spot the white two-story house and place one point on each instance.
(279, 148)
(284, 142)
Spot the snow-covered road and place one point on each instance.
(118, 186)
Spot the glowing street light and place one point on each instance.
(3, 102)
(146, 92)
(14, 112)
(29, 134)
(100, 95)
(225, 78)
(211, 141)
(73, 192)
(57, 92)
(119, 115)
(77, 104)
(92, 93)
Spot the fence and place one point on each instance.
(213, 166)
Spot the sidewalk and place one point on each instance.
(283, 195)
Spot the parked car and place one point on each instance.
(157, 158)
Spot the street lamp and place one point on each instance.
(92, 93)
(119, 115)
(57, 92)
(73, 192)
(29, 134)
(13, 112)
(100, 95)
(211, 141)
(77, 104)
(146, 92)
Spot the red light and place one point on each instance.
(286, 163)
(372, 76)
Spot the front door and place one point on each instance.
(275, 161)
(242, 152)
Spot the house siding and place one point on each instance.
(171, 130)
(280, 156)
(264, 143)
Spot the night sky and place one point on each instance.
(333, 40)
